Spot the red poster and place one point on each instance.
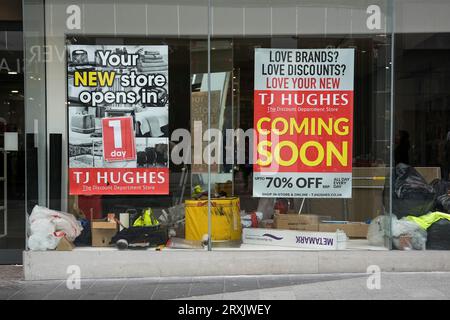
(119, 181)
(118, 139)
(301, 138)
(303, 117)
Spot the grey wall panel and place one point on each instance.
(193, 20)
(313, 17)
(339, 20)
(228, 21)
(99, 18)
(284, 20)
(311, 20)
(162, 20)
(422, 16)
(258, 21)
(131, 19)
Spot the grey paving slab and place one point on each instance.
(5, 293)
(11, 272)
(98, 296)
(277, 294)
(108, 285)
(35, 290)
(416, 286)
(387, 287)
(171, 291)
(137, 290)
(274, 282)
(209, 279)
(103, 290)
(444, 289)
(421, 293)
(5, 285)
(309, 287)
(63, 292)
(205, 297)
(348, 289)
(388, 296)
(132, 281)
(318, 294)
(242, 295)
(178, 280)
(398, 286)
(349, 295)
(207, 288)
(446, 293)
(240, 284)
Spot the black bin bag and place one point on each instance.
(151, 236)
(442, 198)
(411, 195)
(438, 237)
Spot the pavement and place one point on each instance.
(392, 286)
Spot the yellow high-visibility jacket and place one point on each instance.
(428, 219)
(147, 219)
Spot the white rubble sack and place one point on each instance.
(376, 232)
(379, 227)
(47, 227)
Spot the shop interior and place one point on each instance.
(12, 138)
(179, 220)
(181, 216)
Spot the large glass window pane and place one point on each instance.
(422, 128)
(111, 167)
(265, 38)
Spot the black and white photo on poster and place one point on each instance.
(152, 152)
(88, 153)
(117, 81)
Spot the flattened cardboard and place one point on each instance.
(351, 229)
(65, 245)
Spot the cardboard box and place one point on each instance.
(102, 232)
(283, 225)
(351, 229)
(294, 238)
(65, 245)
(266, 224)
(296, 221)
(226, 187)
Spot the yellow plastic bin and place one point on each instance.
(225, 219)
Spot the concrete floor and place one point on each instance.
(420, 285)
